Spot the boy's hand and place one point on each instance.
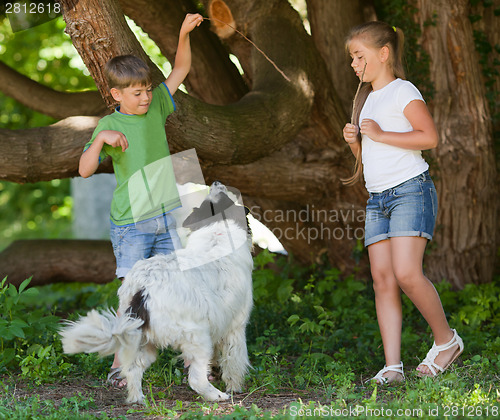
(89, 161)
(191, 21)
(113, 138)
(350, 133)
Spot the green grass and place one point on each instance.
(313, 338)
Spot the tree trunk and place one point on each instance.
(51, 261)
(466, 176)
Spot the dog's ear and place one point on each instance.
(192, 218)
(223, 206)
(223, 203)
(199, 214)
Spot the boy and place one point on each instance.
(134, 137)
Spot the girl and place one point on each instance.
(401, 209)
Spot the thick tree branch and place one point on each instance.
(46, 100)
(51, 261)
(282, 177)
(44, 153)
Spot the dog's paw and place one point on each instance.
(216, 395)
(234, 390)
(135, 399)
(222, 396)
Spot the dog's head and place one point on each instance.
(218, 206)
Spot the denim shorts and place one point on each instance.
(409, 209)
(145, 239)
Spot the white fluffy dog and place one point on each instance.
(196, 300)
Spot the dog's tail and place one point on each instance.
(102, 333)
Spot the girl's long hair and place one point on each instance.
(374, 34)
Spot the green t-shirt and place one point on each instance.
(145, 179)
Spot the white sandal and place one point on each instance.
(382, 380)
(435, 350)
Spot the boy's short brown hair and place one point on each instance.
(124, 71)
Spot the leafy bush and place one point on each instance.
(26, 335)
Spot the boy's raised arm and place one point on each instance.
(182, 63)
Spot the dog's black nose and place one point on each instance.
(216, 183)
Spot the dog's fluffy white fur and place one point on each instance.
(201, 311)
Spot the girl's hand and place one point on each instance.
(350, 133)
(191, 21)
(371, 129)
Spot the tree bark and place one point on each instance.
(52, 261)
(466, 177)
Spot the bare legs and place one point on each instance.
(116, 360)
(397, 264)
(387, 304)
(117, 364)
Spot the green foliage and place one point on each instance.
(322, 334)
(315, 310)
(25, 334)
(40, 210)
(35, 408)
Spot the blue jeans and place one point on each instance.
(143, 240)
(409, 209)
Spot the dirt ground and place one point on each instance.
(112, 401)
